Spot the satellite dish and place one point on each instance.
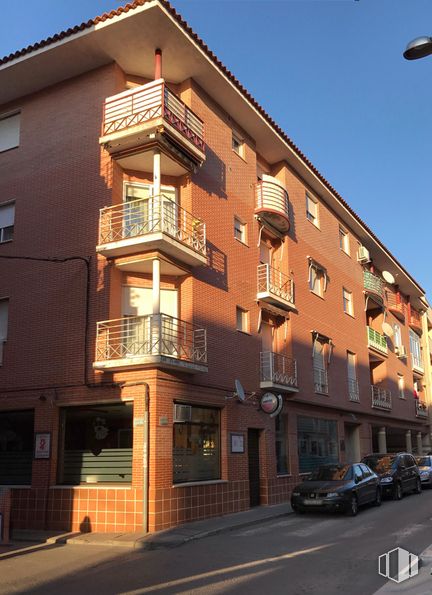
(239, 390)
(387, 329)
(388, 277)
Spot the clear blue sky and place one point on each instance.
(331, 73)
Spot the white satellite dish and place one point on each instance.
(387, 276)
(239, 390)
(387, 329)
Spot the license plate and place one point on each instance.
(308, 501)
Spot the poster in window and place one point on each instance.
(42, 445)
(237, 443)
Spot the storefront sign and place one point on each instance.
(271, 404)
(42, 446)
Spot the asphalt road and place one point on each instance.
(314, 553)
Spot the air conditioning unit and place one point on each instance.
(401, 352)
(182, 413)
(363, 255)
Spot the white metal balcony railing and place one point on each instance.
(320, 380)
(373, 283)
(275, 282)
(421, 408)
(353, 390)
(146, 216)
(417, 363)
(376, 340)
(154, 334)
(148, 102)
(272, 196)
(381, 398)
(278, 369)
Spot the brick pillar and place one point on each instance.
(5, 507)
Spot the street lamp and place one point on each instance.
(420, 47)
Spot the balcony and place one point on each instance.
(353, 390)
(272, 204)
(377, 341)
(320, 380)
(396, 305)
(421, 409)
(414, 320)
(149, 224)
(274, 287)
(417, 363)
(278, 372)
(155, 340)
(136, 120)
(373, 285)
(381, 398)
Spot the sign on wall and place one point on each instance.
(42, 445)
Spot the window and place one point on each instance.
(282, 460)
(196, 446)
(16, 447)
(317, 442)
(353, 389)
(239, 230)
(4, 315)
(97, 444)
(397, 335)
(312, 210)
(238, 144)
(348, 302)
(7, 217)
(9, 131)
(344, 240)
(319, 366)
(242, 321)
(401, 386)
(317, 278)
(415, 348)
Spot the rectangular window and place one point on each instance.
(7, 218)
(312, 210)
(344, 240)
(9, 132)
(282, 460)
(97, 444)
(348, 302)
(238, 144)
(317, 279)
(401, 386)
(196, 446)
(353, 389)
(319, 367)
(4, 316)
(317, 442)
(397, 337)
(239, 230)
(415, 348)
(242, 320)
(16, 447)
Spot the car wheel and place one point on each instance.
(353, 506)
(418, 487)
(297, 510)
(378, 498)
(397, 491)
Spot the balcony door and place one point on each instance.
(145, 213)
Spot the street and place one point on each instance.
(312, 553)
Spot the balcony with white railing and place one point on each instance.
(274, 287)
(155, 340)
(141, 116)
(320, 380)
(377, 341)
(421, 409)
(149, 224)
(353, 390)
(381, 398)
(373, 284)
(278, 372)
(272, 203)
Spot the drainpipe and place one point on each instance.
(158, 64)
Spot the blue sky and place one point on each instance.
(331, 73)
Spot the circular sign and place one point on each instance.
(269, 403)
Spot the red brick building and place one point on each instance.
(164, 249)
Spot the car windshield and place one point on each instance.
(332, 473)
(380, 464)
(423, 461)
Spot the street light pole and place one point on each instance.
(420, 47)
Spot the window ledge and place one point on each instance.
(244, 332)
(6, 241)
(241, 242)
(317, 294)
(238, 155)
(188, 484)
(283, 475)
(350, 315)
(316, 225)
(320, 393)
(15, 486)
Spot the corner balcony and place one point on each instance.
(274, 287)
(396, 305)
(381, 398)
(272, 204)
(278, 372)
(149, 224)
(373, 285)
(155, 340)
(377, 341)
(414, 320)
(136, 120)
(421, 409)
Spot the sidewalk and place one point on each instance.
(163, 539)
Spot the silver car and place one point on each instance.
(425, 467)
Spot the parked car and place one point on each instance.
(425, 467)
(398, 473)
(336, 487)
